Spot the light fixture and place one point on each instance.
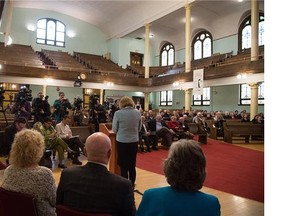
(176, 83)
(31, 27)
(110, 84)
(48, 80)
(71, 34)
(7, 39)
(242, 76)
(151, 35)
(82, 76)
(0, 66)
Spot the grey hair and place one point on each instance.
(185, 167)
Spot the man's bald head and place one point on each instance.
(98, 147)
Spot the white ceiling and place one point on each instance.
(127, 18)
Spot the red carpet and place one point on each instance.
(230, 169)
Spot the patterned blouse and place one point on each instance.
(38, 181)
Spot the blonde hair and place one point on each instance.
(126, 101)
(27, 148)
(37, 125)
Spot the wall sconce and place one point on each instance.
(110, 84)
(176, 83)
(242, 76)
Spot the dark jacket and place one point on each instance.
(92, 188)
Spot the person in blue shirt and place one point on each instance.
(185, 171)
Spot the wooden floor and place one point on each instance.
(231, 205)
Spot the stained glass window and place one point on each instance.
(245, 32)
(202, 45)
(167, 55)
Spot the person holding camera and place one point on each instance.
(22, 106)
(61, 106)
(77, 110)
(41, 108)
(97, 112)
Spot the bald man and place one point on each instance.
(92, 188)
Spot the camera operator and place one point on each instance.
(41, 108)
(77, 110)
(97, 112)
(22, 106)
(61, 106)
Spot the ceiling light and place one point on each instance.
(151, 35)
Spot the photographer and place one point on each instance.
(97, 112)
(22, 106)
(41, 108)
(77, 110)
(61, 107)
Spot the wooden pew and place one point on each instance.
(241, 129)
(213, 129)
(82, 131)
(106, 128)
(196, 130)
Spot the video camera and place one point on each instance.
(78, 103)
(93, 100)
(22, 96)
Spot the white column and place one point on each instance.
(44, 91)
(101, 96)
(254, 30)
(254, 100)
(187, 99)
(147, 47)
(146, 101)
(187, 38)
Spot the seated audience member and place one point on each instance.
(176, 126)
(73, 142)
(53, 141)
(183, 123)
(185, 173)
(10, 131)
(202, 124)
(26, 176)
(219, 124)
(145, 135)
(159, 129)
(92, 188)
(245, 118)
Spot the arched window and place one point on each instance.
(51, 32)
(202, 45)
(245, 32)
(167, 55)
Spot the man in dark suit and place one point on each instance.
(159, 129)
(92, 188)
